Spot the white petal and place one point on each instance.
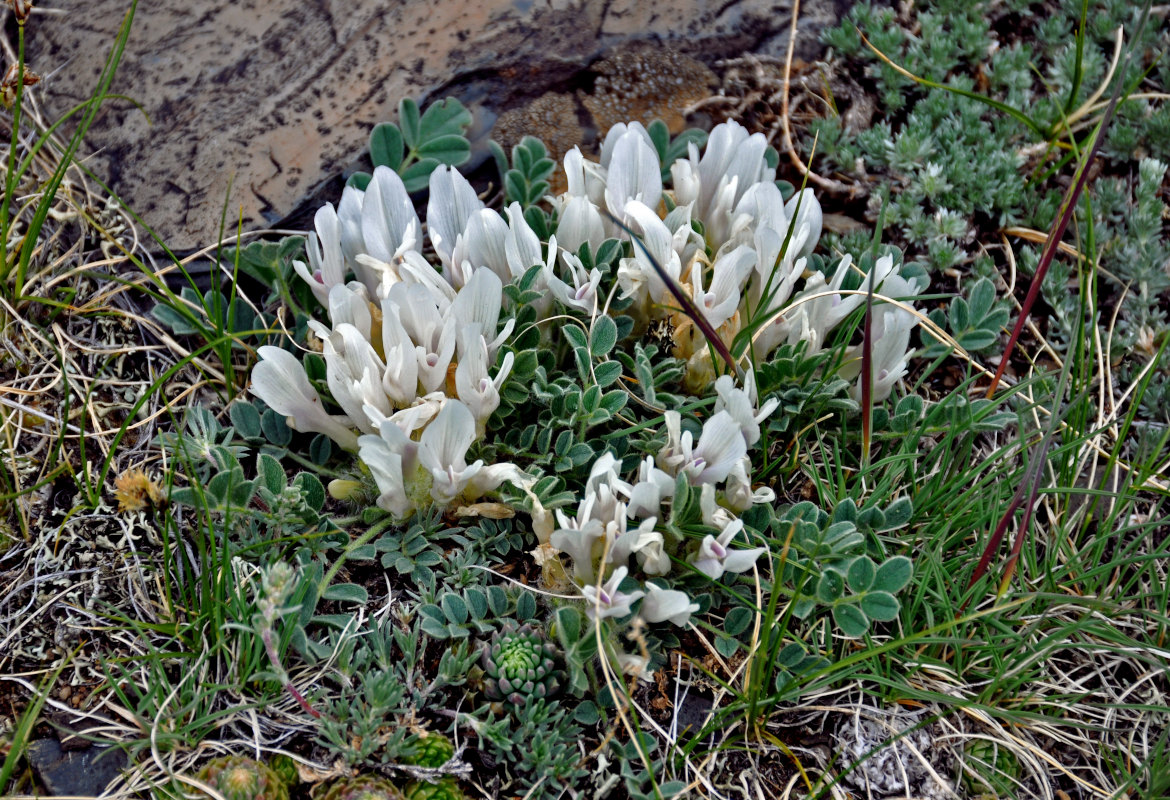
(667, 605)
(388, 216)
(634, 174)
(452, 202)
(280, 381)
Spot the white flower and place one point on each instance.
(400, 380)
(350, 303)
(349, 220)
(637, 275)
(714, 514)
(579, 540)
(771, 286)
(738, 492)
(615, 134)
(607, 600)
(390, 225)
(280, 381)
(478, 304)
(482, 244)
(434, 336)
(353, 371)
(633, 172)
(732, 163)
(891, 337)
(740, 404)
(721, 444)
(416, 269)
(434, 469)
(584, 178)
(635, 665)
(521, 244)
(393, 461)
(443, 451)
(580, 222)
(813, 319)
(719, 301)
(714, 557)
(647, 543)
(666, 605)
(645, 497)
(475, 387)
(582, 294)
(810, 215)
(326, 267)
(452, 203)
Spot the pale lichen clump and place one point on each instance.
(646, 83)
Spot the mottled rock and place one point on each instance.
(75, 773)
(276, 96)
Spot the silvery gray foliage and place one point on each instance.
(910, 765)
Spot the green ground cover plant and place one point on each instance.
(648, 489)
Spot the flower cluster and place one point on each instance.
(617, 519)
(742, 270)
(411, 348)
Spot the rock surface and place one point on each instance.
(275, 97)
(75, 773)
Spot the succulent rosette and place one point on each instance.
(446, 789)
(242, 778)
(362, 787)
(432, 750)
(520, 665)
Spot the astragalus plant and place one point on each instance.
(419, 352)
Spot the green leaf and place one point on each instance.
(568, 625)
(321, 449)
(454, 608)
(659, 137)
(477, 602)
(408, 118)
(898, 513)
(607, 373)
(861, 574)
(346, 593)
(587, 713)
(435, 629)
(178, 323)
(982, 298)
(359, 180)
(850, 621)
(604, 336)
(270, 473)
(386, 146)
(245, 419)
(525, 606)
(893, 575)
(418, 175)
(738, 620)
(613, 402)
(448, 117)
(498, 600)
(451, 150)
(881, 606)
(276, 430)
(609, 251)
(726, 646)
(574, 335)
(314, 491)
(830, 587)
